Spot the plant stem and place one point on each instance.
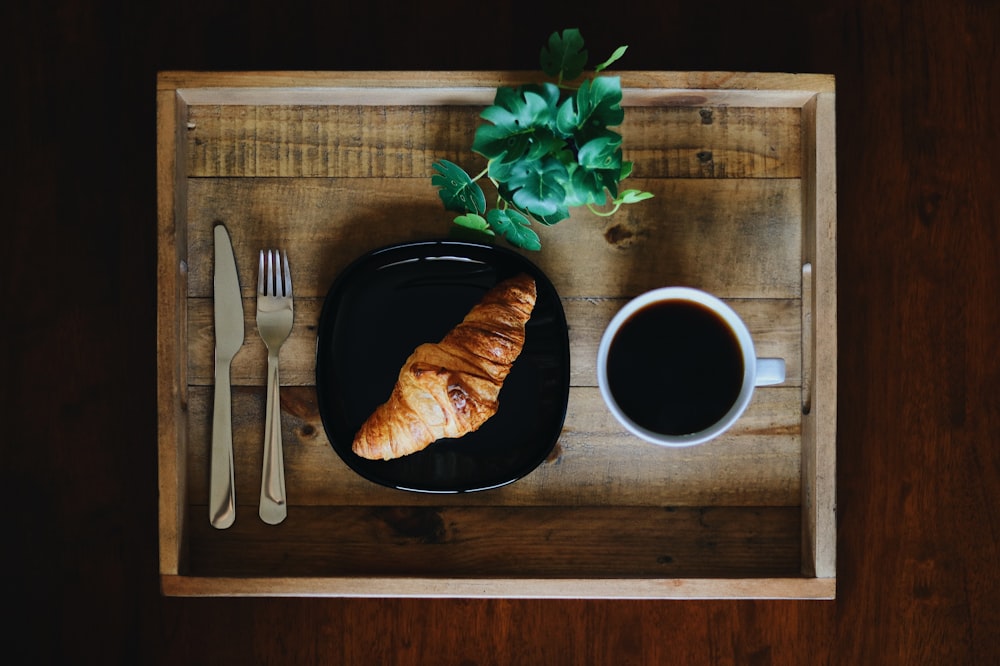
(593, 209)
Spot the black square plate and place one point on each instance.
(390, 301)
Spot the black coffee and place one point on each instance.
(675, 367)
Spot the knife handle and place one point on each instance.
(222, 492)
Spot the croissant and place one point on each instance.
(450, 388)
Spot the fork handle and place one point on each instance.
(222, 494)
(273, 507)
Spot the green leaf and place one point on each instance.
(531, 107)
(596, 106)
(547, 91)
(588, 188)
(633, 196)
(544, 142)
(519, 118)
(609, 178)
(619, 52)
(539, 189)
(515, 227)
(499, 143)
(567, 117)
(500, 171)
(601, 153)
(562, 213)
(542, 145)
(457, 189)
(474, 222)
(564, 56)
(598, 102)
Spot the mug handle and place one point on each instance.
(770, 371)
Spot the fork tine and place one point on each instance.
(288, 276)
(271, 262)
(260, 274)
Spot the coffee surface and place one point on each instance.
(675, 367)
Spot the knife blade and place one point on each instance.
(229, 333)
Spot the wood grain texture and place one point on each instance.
(401, 140)
(919, 472)
(306, 166)
(757, 463)
(747, 230)
(504, 543)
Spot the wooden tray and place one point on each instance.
(331, 165)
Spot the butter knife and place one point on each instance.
(228, 340)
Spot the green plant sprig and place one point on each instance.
(548, 148)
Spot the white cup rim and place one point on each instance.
(728, 315)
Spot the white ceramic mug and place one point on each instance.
(622, 339)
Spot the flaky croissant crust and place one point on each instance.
(450, 388)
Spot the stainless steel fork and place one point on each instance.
(274, 323)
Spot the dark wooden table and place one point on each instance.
(919, 402)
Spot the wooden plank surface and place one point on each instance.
(461, 542)
(332, 174)
(757, 463)
(403, 140)
(738, 238)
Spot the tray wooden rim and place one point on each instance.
(491, 588)
(814, 93)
